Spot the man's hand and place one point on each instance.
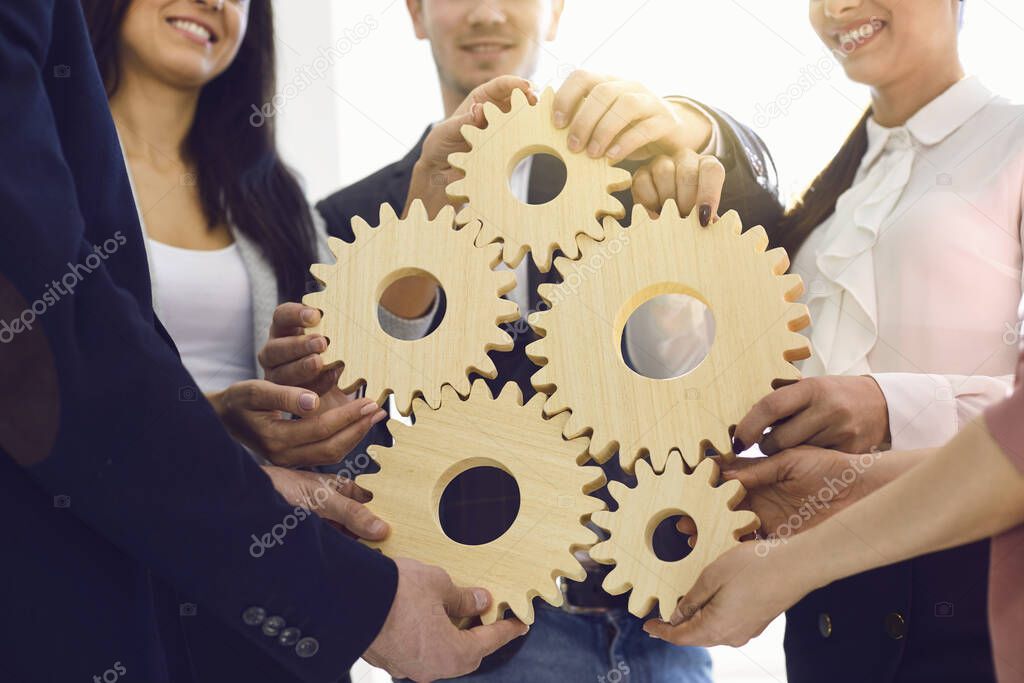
(432, 172)
(335, 499)
(419, 641)
(625, 120)
(256, 413)
(846, 413)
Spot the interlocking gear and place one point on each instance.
(486, 432)
(539, 228)
(756, 340)
(381, 256)
(655, 498)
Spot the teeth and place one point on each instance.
(191, 27)
(858, 35)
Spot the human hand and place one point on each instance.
(419, 640)
(625, 120)
(432, 173)
(847, 413)
(691, 179)
(737, 596)
(256, 413)
(336, 499)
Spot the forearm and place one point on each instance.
(967, 491)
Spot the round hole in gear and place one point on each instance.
(479, 505)
(668, 543)
(666, 331)
(400, 285)
(545, 164)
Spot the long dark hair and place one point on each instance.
(239, 173)
(819, 201)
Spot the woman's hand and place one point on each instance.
(737, 596)
(256, 413)
(691, 179)
(846, 413)
(432, 173)
(625, 120)
(335, 499)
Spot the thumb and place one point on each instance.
(466, 602)
(695, 598)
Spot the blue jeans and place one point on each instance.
(603, 648)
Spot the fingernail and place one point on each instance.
(705, 215)
(480, 598)
(378, 417)
(307, 401)
(737, 446)
(370, 407)
(614, 151)
(308, 316)
(318, 345)
(593, 149)
(574, 143)
(378, 528)
(559, 119)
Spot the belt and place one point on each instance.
(587, 596)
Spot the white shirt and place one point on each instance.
(916, 278)
(205, 302)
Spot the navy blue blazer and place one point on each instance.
(120, 491)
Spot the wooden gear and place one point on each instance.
(641, 509)
(756, 338)
(541, 228)
(394, 250)
(482, 431)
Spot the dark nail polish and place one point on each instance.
(737, 446)
(705, 215)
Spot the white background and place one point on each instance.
(380, 91)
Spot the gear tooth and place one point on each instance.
(417, 212)
(471, 134)
(460, 385)
(673, 462)
(571, 249)
(669, 210)
(387, 215)
(445, 217)
(458, 160)
(616, 583)
(369, 481)
(792, 286)
(731, 222)
(488, 235)
(618, 491)
(404, 404)
(643, 470)
(541, 258)
(706, 472)
(519, 100)
(508, 312)
(314, 299)
(537, 355)
(546, 99)
(480, 391)
(548, 291)
(798, 347)
(731, 491)
(798, 316)
(757, 239)
(596, 479)
(511, 393)
(336, 246)
(639, 604)
(619, 179)
(505, 281)
(745, 522)
(603, 553)
(563, 265)
(322, 272)
(779, 260)
(491, 112)
(465, 216)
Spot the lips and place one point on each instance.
(856, 35)
(193, 29)
(485, 48)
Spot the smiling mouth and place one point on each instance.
(485, 49)
(856, 36)
(193, 30)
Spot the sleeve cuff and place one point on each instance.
(922, 409)
(407, 328)
(714, 146)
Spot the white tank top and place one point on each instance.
(205, 302)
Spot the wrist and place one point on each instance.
(695, 127)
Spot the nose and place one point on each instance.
(215, 5)
(836, 9)
(486, 12)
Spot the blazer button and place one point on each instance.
(307, 647)
(824, 625)
(254, 616)
(895, 625)
(289, 637)
(273, 625)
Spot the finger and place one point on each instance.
(638, 136)
(286, 349)
(710, 181)
(686, 181)
(499, 91)
(756, 473)
(597, 103)
(797, 430)
(290, 317)
(349, 513)
(258, 394)
(350, 489)
(663, 173)
(692, 632)
(299, 373)
(629, 108)
(331, 450)
(644, 192)
(571, 94)
(484, 640)
(778, 405)
(686, 525)
(318, 428)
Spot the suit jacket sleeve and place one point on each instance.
(155, 475)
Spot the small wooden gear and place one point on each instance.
(641, 509)
(540, 228)
(394, 250)
(479, 432)
(756, 324)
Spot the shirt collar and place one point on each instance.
(935, 121)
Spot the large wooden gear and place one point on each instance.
(656, 498)
(756, 340)
(541, 228)
(483, 431)
(394, 250)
